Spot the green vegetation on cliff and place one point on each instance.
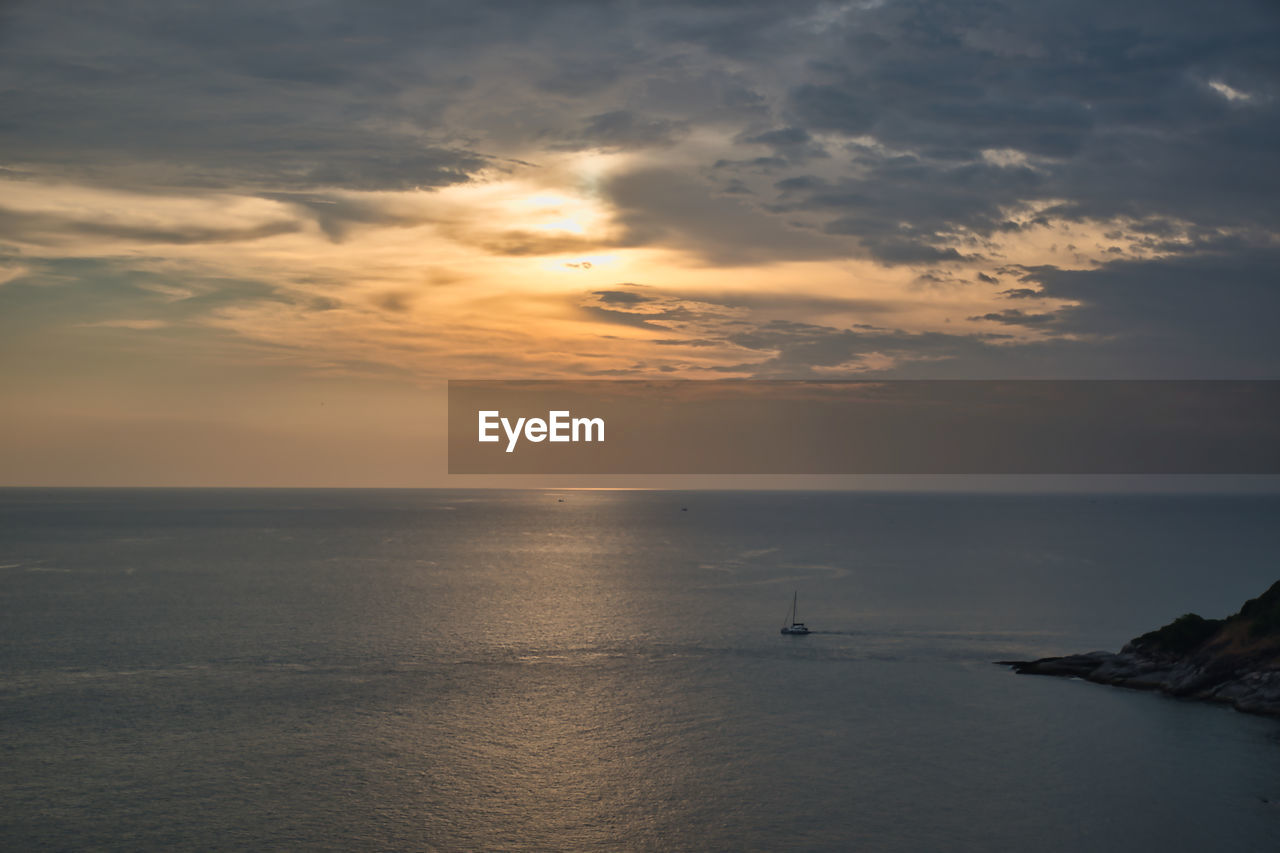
(1258, 619)
(1263, 613)
(1180, 636)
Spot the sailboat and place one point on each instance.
(794, 627)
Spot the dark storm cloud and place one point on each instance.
(908, 208)
(623, 130)
(1014, 317)
(577, 77)
(1113, 106)
(239, 94)
(668, 207)
(788, 144)
(621, 297)
(1204, 315)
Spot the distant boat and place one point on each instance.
(792, 626)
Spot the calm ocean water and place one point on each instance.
(334, 670)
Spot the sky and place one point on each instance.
(247, 243)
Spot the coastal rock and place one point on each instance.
(1078, 666)
(1234, 660)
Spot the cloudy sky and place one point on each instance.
(247, 242)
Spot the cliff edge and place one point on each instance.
(1234, 660)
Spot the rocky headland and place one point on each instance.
(1235, 660)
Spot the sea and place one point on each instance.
(604, 671)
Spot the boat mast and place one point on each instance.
(794, 596)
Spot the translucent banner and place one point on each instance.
(882, 427)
